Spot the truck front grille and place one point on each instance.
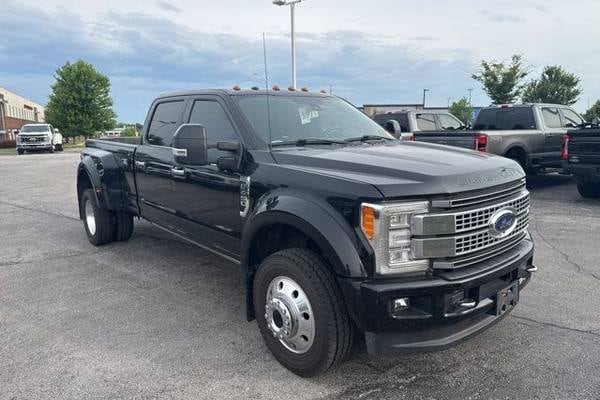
(459, 236)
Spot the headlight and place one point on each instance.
(387, 228)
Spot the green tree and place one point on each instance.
(554, 86)
(593, 112)
(129, 130)
(462, 110)
(80, 102)
(502, 81)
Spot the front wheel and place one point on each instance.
(58, 147)
(20, 152)
(589, 190)
(300, 312)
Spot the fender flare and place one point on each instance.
(105, 176)
(338, 240)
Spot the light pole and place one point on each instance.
(292, 4)
(424, 94)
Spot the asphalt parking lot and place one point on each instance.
(157, 318)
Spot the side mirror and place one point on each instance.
(393, 127)
(229, 163)
(56, 130)
(189, 145)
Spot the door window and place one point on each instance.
(426, 122)
(571, 118)
(164, 123)
(217, 124)
(551, 117)
(448, 122)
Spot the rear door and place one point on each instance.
(154, 161)
(425, 122)
(553, 131)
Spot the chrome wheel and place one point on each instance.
(289, 315)
(90, 218)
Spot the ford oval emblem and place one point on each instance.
(503, 222)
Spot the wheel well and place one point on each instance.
(83, 183)
(271, 239)
(518, 154)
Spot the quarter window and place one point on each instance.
(217, 124)
(164, 123)
(551, 117)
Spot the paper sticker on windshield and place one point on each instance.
(307, 115)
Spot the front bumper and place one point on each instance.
(34, 146)
(437, 317)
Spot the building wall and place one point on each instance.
(16, 111)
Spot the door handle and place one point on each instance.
(178, 172)
(140, 164)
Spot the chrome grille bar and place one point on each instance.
(453, 246)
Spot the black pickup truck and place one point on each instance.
(581, 157)
(338, 227)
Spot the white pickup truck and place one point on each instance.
(39, 137)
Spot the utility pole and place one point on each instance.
(470, 92)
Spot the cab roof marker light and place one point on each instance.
(254, 88)
(291, 89)
(237, 88)
(276, 88)
(304, 89)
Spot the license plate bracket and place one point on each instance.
(507, 298)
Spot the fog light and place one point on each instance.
(400, 305)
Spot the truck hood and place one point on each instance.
(401, 169)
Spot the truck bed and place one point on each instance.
(464, 139)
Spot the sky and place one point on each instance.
(377, 51)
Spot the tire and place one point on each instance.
(51, 150)
(589, 190)
(58, 147)
(332, 330)
(98, 222)
(20, 152)
(521, 158)
(123, 226)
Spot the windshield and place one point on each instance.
(35, 128)
(300, 118)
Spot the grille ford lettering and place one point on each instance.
(504, 173)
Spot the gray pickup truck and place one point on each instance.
(408, 124)
(530, 134)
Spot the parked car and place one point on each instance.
(409, 124)
(338, 227)
(581, 156)
(36, 137)
(530, 134)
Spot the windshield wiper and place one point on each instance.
(365, 138)
(308, 141)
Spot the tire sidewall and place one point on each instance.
(313, 359)
(87, 196)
